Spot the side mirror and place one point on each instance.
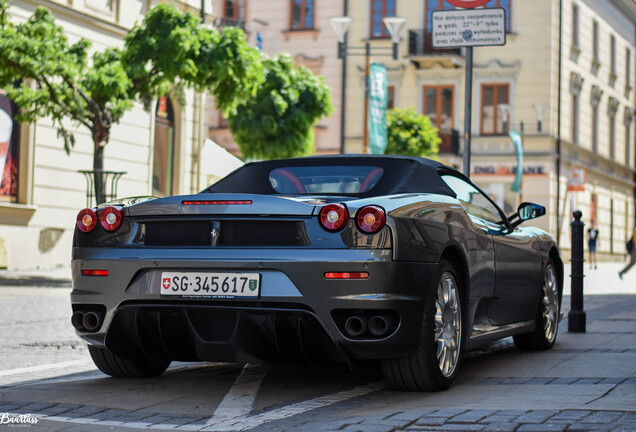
(529, 211)
(526, 211)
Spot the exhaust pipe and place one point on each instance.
(379, 325)
(77, 319)
(355, 325)
(91, 321)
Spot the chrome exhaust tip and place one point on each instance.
(355, 326)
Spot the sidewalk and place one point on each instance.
(603, 280)
(58, 277)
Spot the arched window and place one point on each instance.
(163, 162)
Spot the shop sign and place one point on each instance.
(576, 179)
(508, 170)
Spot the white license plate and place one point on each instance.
(210, 285)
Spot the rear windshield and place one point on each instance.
(325, 179)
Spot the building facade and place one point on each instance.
(564, 80)
(42, 187)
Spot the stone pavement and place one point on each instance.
(57, 277)
(587, 382)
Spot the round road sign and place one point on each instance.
(468, 4)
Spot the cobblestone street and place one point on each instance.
(587, 382)
(36, 332)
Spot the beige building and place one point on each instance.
(576, 84)
(300, 28)
(162, 152)
(42, 190)
(589, 105)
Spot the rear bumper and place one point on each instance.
(299, 315)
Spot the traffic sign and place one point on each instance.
(468, 4)
(469, 27)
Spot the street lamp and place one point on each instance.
(341, 26)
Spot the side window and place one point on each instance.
(474, 201)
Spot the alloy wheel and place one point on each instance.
(550, 304)
(448, 324)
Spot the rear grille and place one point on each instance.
(229, 233)
(178, 233)
(262, 233)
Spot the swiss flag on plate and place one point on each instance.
(166, 283)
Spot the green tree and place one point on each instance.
(46, 76)
(411, 134)
(278, 122)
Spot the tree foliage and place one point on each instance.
(170, 49)
(46, 76)
(411, 134)
(278, 122)
(38, 51)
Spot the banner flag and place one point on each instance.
(516, 140)
(377, 109)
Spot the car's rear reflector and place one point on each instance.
(94, 272)
(347, 275)
(218, 202)
(86, 220)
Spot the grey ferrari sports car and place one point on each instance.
(321, 259)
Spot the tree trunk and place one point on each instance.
(101, 133)
(98, 175)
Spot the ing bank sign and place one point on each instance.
(508, 170)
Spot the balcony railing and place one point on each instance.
(421, 44)
(109, 181)
(220, 22)
(524, 128)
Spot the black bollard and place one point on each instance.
(576, 317)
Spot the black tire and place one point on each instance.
(423, 370)
(547, 315)
(115, 366)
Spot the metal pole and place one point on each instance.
(365, 128)
(343, 96)
(558, 140)
(576, 316)
(634, 155)
(468, 109)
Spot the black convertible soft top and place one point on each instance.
(402, 174)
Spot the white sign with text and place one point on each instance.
(469, 27)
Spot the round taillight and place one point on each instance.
(371, 219)
(334, 217)
(86, 220)
(111, 218)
